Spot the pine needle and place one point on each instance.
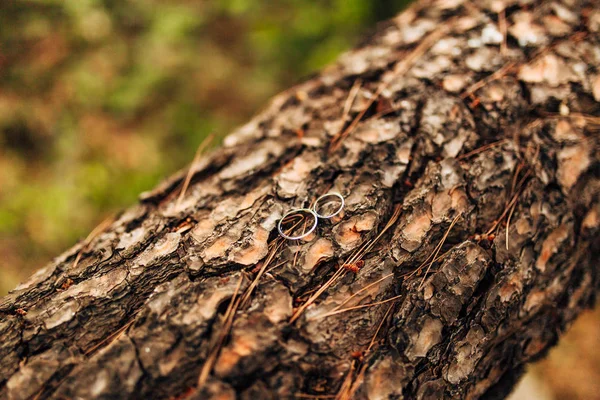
(228, 322)
(351, 97)
(312, 298)
(400, 69)
(91, 236)
(430, 257)
(512, 208)
(112, 337)
(482, 149)
(510, 204)
(347, 391)
(344, 392)
(364, 249)
(508, 222)
(271, 256)
(438, 248)
(503, 28)
(279, 264)
(343, 310)
(490, 78)
(235, 304)
(379, 327)
(361, 290)
(203, 145)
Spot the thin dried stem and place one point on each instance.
(438, 248)
(508, 222)
(368, 245)
(228, 321)
(271, 256)
(379, 327)
(203, 145)
(488, 79)
(482, 149)
(383, 113)
(351, 97)
(503, 29)
(362, 290)
(348, 392)
(594, 120)
(401, 68)
(435, 259)
(344, 392)
(513, 185)
(353, 258)
(279, 264)
(114, 336)
(91, 236)
(512, 202)
(295, 258)
(312, 298)
(376, 303)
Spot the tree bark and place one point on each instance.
(464, 138)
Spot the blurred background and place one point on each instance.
(101, 99)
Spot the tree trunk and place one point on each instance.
(464, 139)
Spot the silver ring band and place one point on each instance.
(334, 194)
(296, 211)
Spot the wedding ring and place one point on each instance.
(325, 196)
(298, 211)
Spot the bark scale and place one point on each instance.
(464, 138)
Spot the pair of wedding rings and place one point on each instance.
(314, 213)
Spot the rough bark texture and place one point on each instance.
(464, 137)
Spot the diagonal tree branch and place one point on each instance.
(467, 154)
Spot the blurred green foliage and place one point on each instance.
(100, 99)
